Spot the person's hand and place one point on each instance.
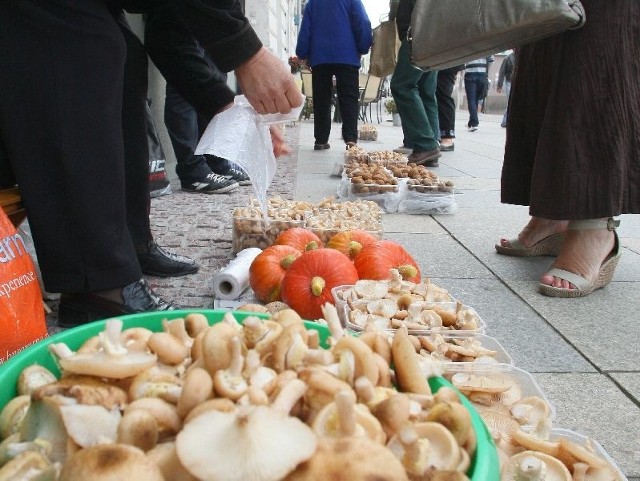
(280, 146)
(268, 85)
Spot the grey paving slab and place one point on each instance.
(604, 326)
(630, 381)
(314, 187)
(533, 344)
(439, 254)
(592, 405)
(407, 223)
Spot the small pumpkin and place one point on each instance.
(307, 285)
(300, 238)
(268, 269)
(375, 261)
(350, 242)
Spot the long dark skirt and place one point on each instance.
(573, 137)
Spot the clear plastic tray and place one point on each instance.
(364, 190)
(488, 342)
(584, 441)
(525, 380)
(250, 232)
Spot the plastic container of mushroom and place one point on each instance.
(483, 464)
(460, 347)
(498, 383)
(589, 444)
(345, 296)
(425, 318)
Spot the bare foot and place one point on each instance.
(583, 252)
(446, 142)
(536, 230)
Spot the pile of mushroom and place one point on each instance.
(395, 303)
(521, 428)
(258, 401)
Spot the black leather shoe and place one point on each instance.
(155, 261)
(83, 307)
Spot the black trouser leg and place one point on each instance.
(61, 130)
(446, 104)
(322, 84)
(348, 100)
(134, 134)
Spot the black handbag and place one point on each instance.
(445, 33)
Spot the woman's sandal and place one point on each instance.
(582, 286)
(549, 246)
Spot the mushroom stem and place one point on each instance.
(580, 471)
(313, 339)
(254, 330)
(289, 395)
(318, 356)
(415, 450)
(237, 361)
(345, 408)
(364, 389)
(531, 468)
(110, 338)
(330, 314)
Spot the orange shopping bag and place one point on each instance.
(22, 320)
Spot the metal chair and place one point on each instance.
(370, 94)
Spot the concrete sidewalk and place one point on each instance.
(583, 353)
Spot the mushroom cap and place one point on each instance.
(90, 425)
(350, 459)
(110, 462)
(533, 462)
(164, 455)
(443, 452)
(255, 444)
(502, 426)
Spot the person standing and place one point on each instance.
(61, 131)
(476, 86)
(447, 107)
(574, 171)
(334, 34)
(196, 90)
(504, 80)
(414, 92)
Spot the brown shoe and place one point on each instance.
(428, 158)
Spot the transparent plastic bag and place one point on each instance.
(241, 135)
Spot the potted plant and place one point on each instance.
(392, 108)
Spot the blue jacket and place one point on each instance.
(334, 31)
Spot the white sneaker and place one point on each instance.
(403, 150)
(473, 129)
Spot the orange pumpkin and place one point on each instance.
(375, 260)
(350, 242)
(300, 238)
(307, 285)
(268, 269)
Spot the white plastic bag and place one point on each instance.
(241, 135)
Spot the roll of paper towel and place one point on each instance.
(231, 281)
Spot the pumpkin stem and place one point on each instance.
(286, 261)
(317, 285)
(311, 245)
(407, 271)
(354, 248)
